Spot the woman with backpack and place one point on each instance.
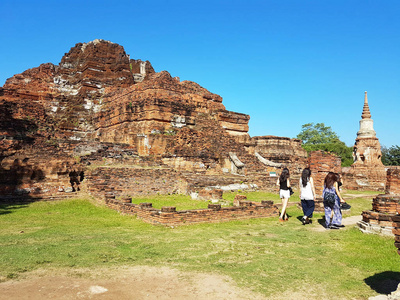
(332, 199)
(307, 195)
(284, 192)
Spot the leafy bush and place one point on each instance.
(391, 156)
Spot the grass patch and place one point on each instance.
(181, 202)
(254, 196)
(263, 254)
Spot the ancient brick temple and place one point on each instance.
(367, 171)
(128, 129)
(383, 218)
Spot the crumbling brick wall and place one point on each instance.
(168, 216)
(132, 181)
(321, 163)
(393, 181)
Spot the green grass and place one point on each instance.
(254, 196)
(181, 202)
(263, 254)
(184, 202)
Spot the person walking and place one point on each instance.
(284, 193)
(307, 195)
(333, 214)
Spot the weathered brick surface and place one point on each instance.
(380, 219)
(367, 173)
(280, 150)
(321, 163)
(393, 181)
(238, 199)
(386, 203)
(385, 209)
(132, 181)
(396, 232)
(211, 194)
(214, 214)
(100, 107)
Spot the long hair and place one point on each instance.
(330, 179)
(284, 175)
(305, 176)
(337, 177)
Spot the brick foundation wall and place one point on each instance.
(168, 216)
(386, 203)
(396, 232)
(380, 219)
(132, 181)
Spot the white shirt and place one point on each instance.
(306, 192)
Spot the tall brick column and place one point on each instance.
(321, 163)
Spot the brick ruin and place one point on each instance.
(383, 218)
(393, 188)
(367, 171)
(169, 216)
(320, 164)
(130, 129)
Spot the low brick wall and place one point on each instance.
(386, 203)
(168, 216)
(396, 229)
(384, 216)
(396, 232)
(214, 194)
(132, 181)
(380, 218)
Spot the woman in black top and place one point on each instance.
(284, 193)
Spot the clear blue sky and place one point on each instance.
(283, 62)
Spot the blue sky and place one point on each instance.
(283, 62)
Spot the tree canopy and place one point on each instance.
(315, 134)
(391, 156)
(320, 137)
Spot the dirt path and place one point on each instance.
(122, 283)
(348, 222)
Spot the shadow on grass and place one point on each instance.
(384, 282)
(300, 218)
(9, 208)
(322, 221)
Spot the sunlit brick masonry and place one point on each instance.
(383, 218)
(393, 186)
(129, 130)
(169, 216)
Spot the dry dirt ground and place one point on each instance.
(122, 283)
(139, 282)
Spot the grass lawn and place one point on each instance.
(263, 254)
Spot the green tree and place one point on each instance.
(391, 156)
(320, 137)
(315, 134)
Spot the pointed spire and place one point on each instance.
(366, 114)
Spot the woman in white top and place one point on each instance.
(307, 195)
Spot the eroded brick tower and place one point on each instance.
(367, 171)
